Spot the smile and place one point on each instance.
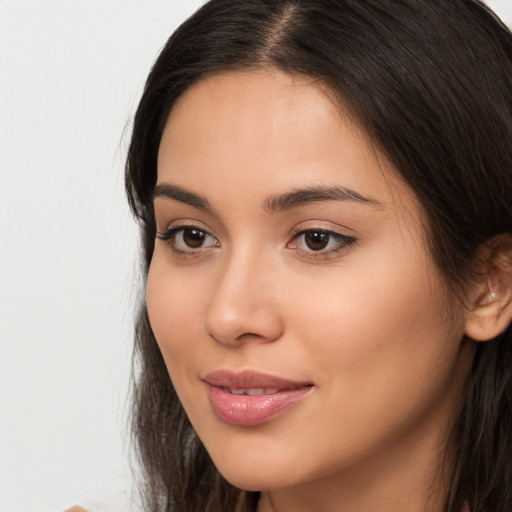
(250, 398)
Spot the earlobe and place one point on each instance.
(491, 311)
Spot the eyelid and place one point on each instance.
(322, 225)
(174, 228)
(183, 224)
(344, 241)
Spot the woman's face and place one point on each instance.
(291, 293)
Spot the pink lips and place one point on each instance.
(250, 398)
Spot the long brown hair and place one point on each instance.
(430, 81)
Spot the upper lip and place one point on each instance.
(247, 379)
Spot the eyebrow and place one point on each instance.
(273, 204)
(181, 195)
(304, 196)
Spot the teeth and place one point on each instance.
(252, 391)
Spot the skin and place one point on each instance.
(366, 322)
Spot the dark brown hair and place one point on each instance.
(430, 81)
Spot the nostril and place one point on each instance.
(268, 330)
(246, 337)
(250, 336)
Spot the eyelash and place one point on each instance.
(169, 237)
(342, 242)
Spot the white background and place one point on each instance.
(71, 73)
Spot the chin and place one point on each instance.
(258, 475)
(251, 482)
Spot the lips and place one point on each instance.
(251, 398)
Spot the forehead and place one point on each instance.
(262, 111)
(269, 131)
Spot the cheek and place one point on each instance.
(364, 304)
(174, 309)
(378, 333)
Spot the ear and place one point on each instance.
(490, 311)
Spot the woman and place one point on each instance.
(324, 190)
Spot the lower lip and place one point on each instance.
(252, 410)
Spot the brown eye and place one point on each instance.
(193, 237)
(316, 240)
(321, 243)
(187, 239)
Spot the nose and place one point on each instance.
(244, 305)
